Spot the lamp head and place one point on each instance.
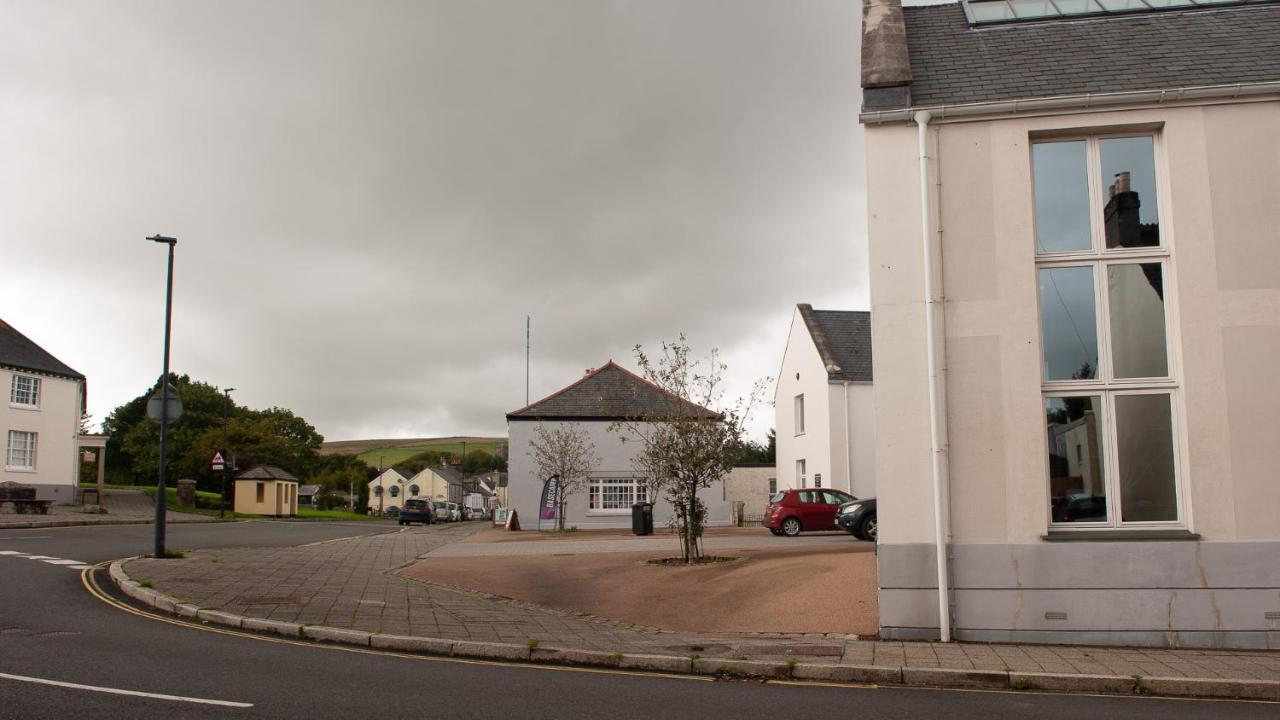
(163, 239)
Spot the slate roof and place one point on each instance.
(843, 339)
(308, 489)
(609, 393)
(265, 472)
(19, 352)
(953, 63)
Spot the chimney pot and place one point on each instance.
(1122, 182)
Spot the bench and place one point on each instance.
(32, 507)
(23, 499)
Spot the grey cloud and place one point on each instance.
(370, 197)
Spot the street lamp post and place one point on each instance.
(164, 396)
(226, 459)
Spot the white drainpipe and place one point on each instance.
(935, 446)
(848, 440)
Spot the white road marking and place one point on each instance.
(73, 564)
(117, 691)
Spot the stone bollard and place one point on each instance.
(187, 493)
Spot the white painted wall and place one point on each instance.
(852, 437)
(524, 489)
(803, 372)
(57, 424)
(839, 421)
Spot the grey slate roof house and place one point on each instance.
(1075, 276)
(843, 340)
(609, 392)
(18, 352)
(40, 443)
(822, 403)
(592, 403)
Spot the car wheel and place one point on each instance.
(791, 527)
(869, 529)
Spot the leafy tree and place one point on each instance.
(565, 450)
(750, 451)
(687, 446)
(274, 436)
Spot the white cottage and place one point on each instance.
(823, 403)
(603, 396)
(40, 423)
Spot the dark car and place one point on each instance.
(793, 511)
(859, 519)
(416, 511)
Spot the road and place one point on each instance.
(53, 629)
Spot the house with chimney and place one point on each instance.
(823, 405)
(1075, 283)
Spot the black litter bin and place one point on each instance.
(642, 518)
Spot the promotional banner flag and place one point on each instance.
(550, 498)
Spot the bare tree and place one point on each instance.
(688, 446)
(564, 450)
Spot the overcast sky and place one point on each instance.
(369, 197)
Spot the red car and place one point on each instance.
(791, 511)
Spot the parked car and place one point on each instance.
(441, 509)
(416, 511)
(1079, 506)
(859, 519)
(455, 512)
(792, 511)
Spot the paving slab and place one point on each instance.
(349, 585)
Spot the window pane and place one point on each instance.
(1129, 192)
(1062, 197)
(1137, 320)
(1077, 488)
(1067, 318)
(1144, 436)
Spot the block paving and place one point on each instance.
(351, 583)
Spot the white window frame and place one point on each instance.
(637, 489)
(800, 473)
(33, 390)
(799, 414)
(30, 450)
(1104, 385)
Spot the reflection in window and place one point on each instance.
(1068, 322)
(1129, 181)
(1061, 196)
(1138, 347)
(1144, 447)
(1077, 487)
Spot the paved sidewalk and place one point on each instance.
(347, 584)
(660, 544)
(124, 507)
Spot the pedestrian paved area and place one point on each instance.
(350, 583)
(658, 543)
(122, 507)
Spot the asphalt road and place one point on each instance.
(52, 629)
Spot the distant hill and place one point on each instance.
(393, 450)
